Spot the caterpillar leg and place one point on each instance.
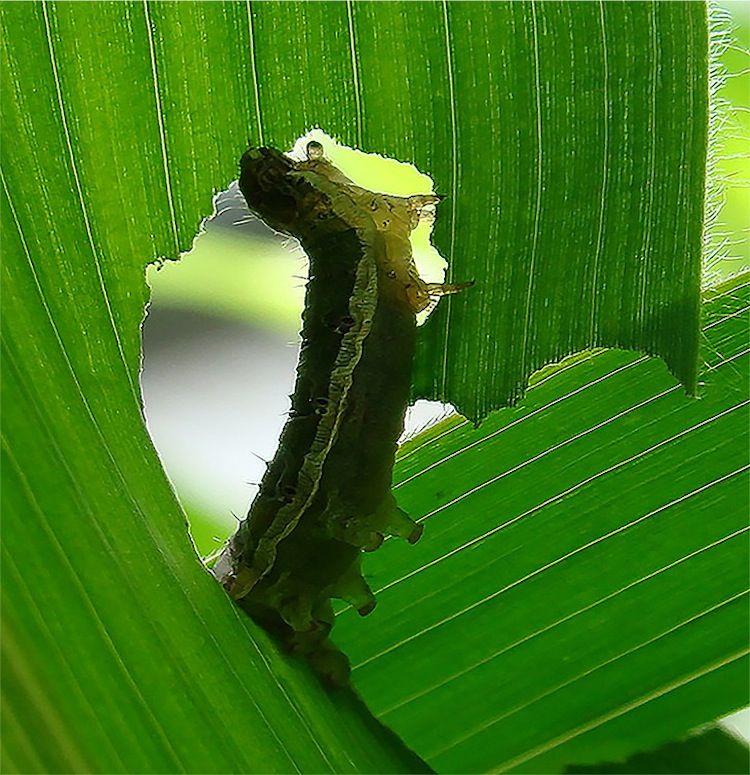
(356, 532)
(352, 588)
(331, 665)
(399, 523)
(296, 611)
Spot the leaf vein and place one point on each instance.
(539, 193)
(162, 128)
(557, 561)
(448, 301)
(528, 416)
(554, 499)
(605, 172)
(254, 70)
(566, 618)
(81, 198)
(586, 673)
(355, 73)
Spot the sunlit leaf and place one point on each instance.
(580, 592)
(570, 139)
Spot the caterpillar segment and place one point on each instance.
(326, 498)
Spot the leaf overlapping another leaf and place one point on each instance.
(119, 122)
(581, 590)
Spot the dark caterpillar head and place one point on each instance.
(267, 189)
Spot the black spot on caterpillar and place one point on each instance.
(326, 495)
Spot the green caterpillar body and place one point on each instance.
(326, 495)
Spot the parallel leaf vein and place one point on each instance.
(82, 199)
(254, 70)
(162, 128)
(621, 655)
(595, 542)
(453, 114)
(566, 618)
(623, 709)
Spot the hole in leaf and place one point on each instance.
(221, 343)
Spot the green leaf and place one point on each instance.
(714, 751)
(120, 120)
(120, 653)
(580, 590)
(571, 141)
(575, 202)
(570, 138)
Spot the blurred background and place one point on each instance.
(220, 338)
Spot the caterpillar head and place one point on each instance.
(267, 189)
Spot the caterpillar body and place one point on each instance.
(326, 495)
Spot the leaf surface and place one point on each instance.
(120, 120)
(569, 138)
(580, 592)
(120, 653)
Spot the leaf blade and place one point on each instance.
(105, 174)
(122, 652)
(601, 522)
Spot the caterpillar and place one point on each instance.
(326, 496)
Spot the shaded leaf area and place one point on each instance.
(569, 137)
(580, 590)
(713, 751)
